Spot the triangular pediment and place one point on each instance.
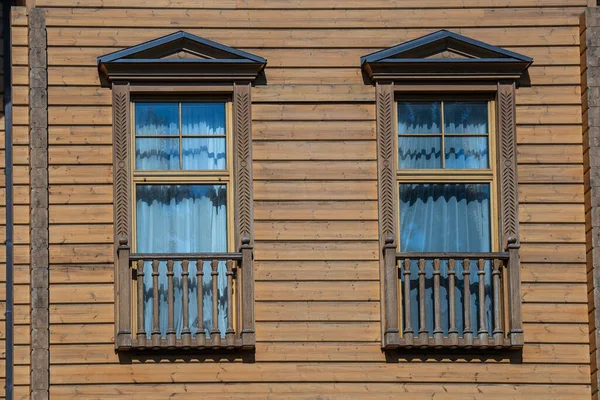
(445, 52)
(180, 56)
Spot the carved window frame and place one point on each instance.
(182, 64)
(386, 93)
(445, 63)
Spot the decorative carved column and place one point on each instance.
(244, 218)
(386, 169)
(122, 215)
(509, 212)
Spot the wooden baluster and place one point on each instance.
(482, 331)
(171, 335)
(468, 330)
(452, 331)
(200, 334)
(215, 335)
(230, 334)
(423, 332)
(408, 332)
(141, 330)
(498, 332)
(186, 337)
(438, 333)
(155, 303)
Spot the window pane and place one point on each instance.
(466, 152)
(419, 117)
(466, 117)
(203, 118)
(446, 218)
(157, 118)
(204, 154)
(419, 152)
(182, 219)
(157, 154)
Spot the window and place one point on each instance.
(447, 196)
(181, 197)
(182, 175)
(448, 216)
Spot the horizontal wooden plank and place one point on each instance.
(313, 130)
(81, 274)
(81, 313)
(81, 293)
(557, 253)
(313, 38)
(551, 213)
(307, 4)
(314, 170)
(327, 372)
(311, 190)
(71, 234)
(555, 313)
(80, 213)
(572, 233)
(79, 194)
(316, 311)
(317, 291)
(282, 18)
(564, 273)
(314, 150)
(331, 230)
(303, 391)
(316, 270)
(81, 253)
(553, 293)
(550, 193)
(79, 155)
(550, 174)
(81, 333)
(80, 174)
(549, 333)
(69, 135)
(549, 154)
(349, 251)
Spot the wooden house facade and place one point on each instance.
(248, 169)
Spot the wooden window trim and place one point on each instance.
(240, 92)
(504, 93)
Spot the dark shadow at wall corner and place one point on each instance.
(153, 356)
(462, 355)
(261, 79)
(366, 79)
(525, 80)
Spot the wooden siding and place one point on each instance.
(317, 253)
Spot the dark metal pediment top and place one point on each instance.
(179, 56)
(444, 53)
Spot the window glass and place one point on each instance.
(465, 117)
(447, 218)
(197, 143)
(203, 118)
(419, 117)
(182, 219)
(463, 141)
(156, 119)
